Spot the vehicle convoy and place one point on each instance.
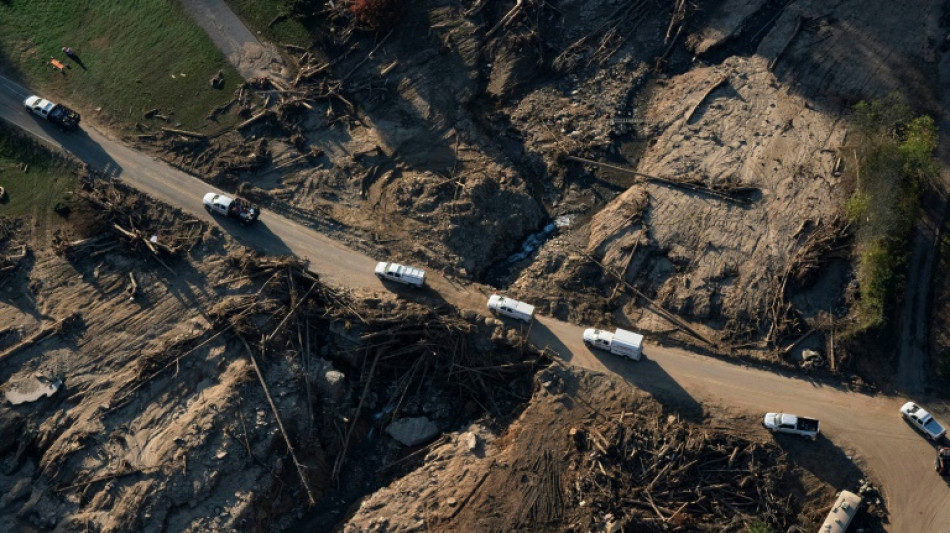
(795, 425)
(231, 207)
(511, 308)
(58, 114)
(923, 421)
(943, 462)
(620, 342)
(407, 275)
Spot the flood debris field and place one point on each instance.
(591, 454)
(155, 375)
(694, 151)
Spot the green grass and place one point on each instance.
(37, 191)
(894, 156)
(258, 14)
(140, 55)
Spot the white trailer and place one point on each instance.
(407, 275)
(621, 342)
(842, 513)
(511, 308)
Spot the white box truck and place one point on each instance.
(511, 308)
(620, 342)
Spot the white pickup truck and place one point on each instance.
(414, 277)
(923, 421)
(231, 207)
(620, 342)
(795, 425)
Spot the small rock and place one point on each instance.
(470, 440)
(451, 502)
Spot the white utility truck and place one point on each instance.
(407, 275)
(620, 342)
(511, 308)
(795, 425)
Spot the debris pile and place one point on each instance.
(591, 454)
(130, 221)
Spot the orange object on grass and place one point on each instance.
(57, 63)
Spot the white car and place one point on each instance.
(923, 421)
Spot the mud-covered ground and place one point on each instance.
(200, 387)
(445, 141)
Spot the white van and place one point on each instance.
(622, 342)
(511, 308)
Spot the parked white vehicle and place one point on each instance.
(620, 342)
(511, 308)
(407, 275)
(229, 207)
(923, 421)
(842, 513)
(795, 425)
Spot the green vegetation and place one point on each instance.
(43, 186)
(759, 526)
(138, 56)
(279, 21)
(893, 157)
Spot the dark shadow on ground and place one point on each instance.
(822, 458)
(425, 295)
(649, 376)
(545, 339)
(256, 236)
(85, 149)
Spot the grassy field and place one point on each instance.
(258, 14)
(137, 55)
(45, 183)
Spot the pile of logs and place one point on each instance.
(134, 222)
(656, 475)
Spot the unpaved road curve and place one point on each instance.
(867, 426)
(251, 57)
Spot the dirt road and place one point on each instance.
(867, 427)
(251, 57)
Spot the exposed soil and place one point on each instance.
(444, 142)
(471, 141)
(591, 454)
(134, 399)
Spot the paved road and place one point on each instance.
(865, 426)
